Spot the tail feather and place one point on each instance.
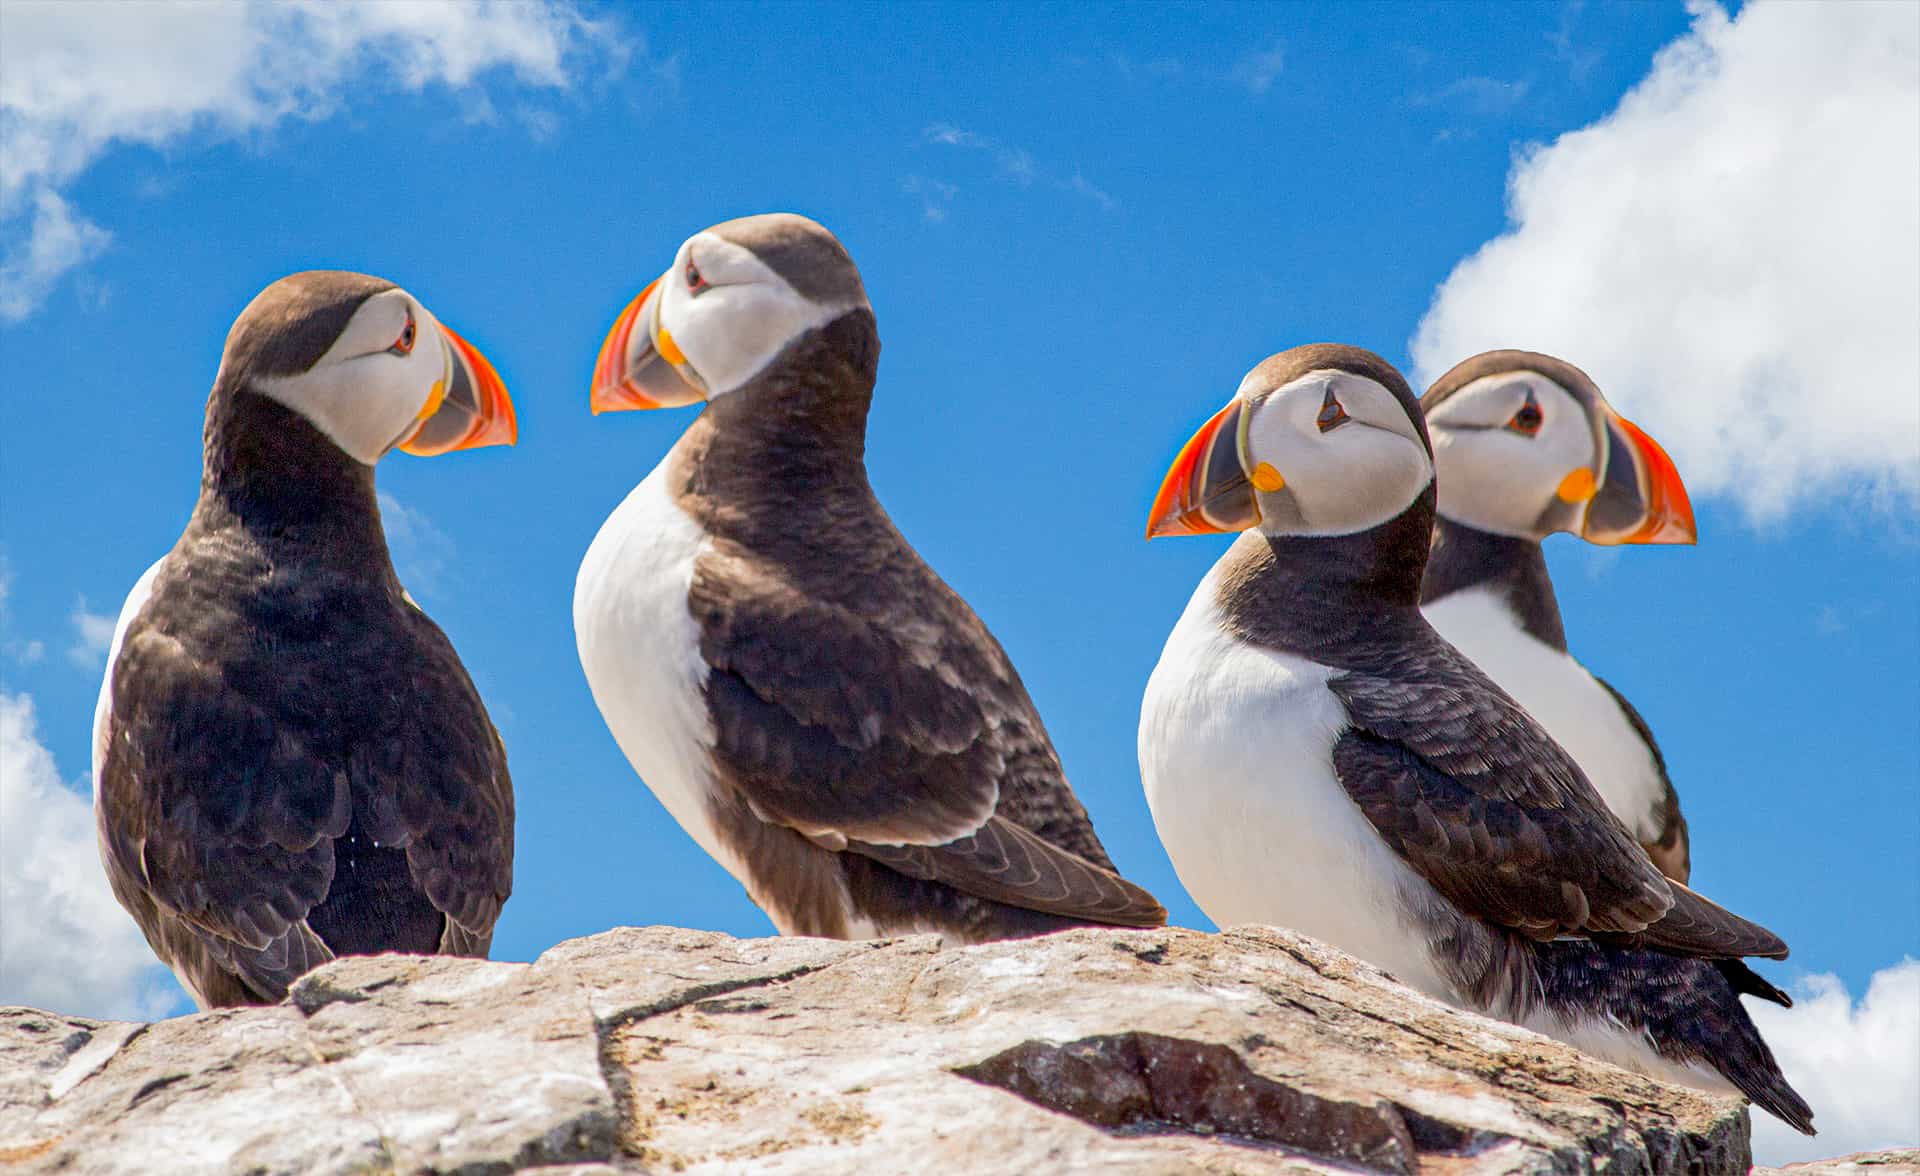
(1748, 982)
(1698, 926)
(1687, 1011)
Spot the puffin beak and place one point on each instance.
(469, 407)
(1209, 489)
(1641, 498)
(640, 366)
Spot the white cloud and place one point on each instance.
(1858, 1065)
(1255, 72)
(92, 636)
(78, 79)
(1013, 164)
(421, 551)
(21, 652)
(935, 196)
(1580, 59)
(1477, 95)
(65, 945)
(59, 241)
(1734, 254)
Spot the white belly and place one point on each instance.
(1562, 697)
(640, 649)
(1235, 755)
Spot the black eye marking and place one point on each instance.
(404, 344)
(696, 282)
(1332, 413)
(1528, 418)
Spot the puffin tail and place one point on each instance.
(1748, 982)
(1686, 1012)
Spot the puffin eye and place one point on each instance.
(404, 344)
(695, 281)
(1527, 420)
(1333, 414)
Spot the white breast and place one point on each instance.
(103, 709)
(640, 649)
(1562, 697)
(1236, 757)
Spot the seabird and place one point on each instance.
(1525, 445)
(1316, 756)
(813, 705)
(290, 763)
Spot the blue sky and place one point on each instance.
(1079, 226)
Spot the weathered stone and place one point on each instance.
(1153, 1083)
(234, 1091)
(1901, 1161)
(463, 1066)
(660, 1049)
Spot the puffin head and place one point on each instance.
(736, 296)
(370, 367)
(1319, 440)
(1526, 445)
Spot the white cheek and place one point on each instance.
(730, 333)
(1357, 477)
(1500, 481)
(365, 403)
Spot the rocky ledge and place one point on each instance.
(665, 1050)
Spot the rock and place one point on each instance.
(1904, 1161)
(666, 1050)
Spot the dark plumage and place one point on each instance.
(806, 696)
(292, 762)
(852, 692)
(1522, 894)
(1514, 568)
(1454, 775)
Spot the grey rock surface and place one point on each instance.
(667, 1050)
(1903, 1161)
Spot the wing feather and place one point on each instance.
(239, 759)
(894, 721)
(1473, 794)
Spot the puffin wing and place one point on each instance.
(1467, 789)
(435, 783)
(1670, 850)
(898, 730)
(1008, 863)
(220, 802)
(231, 836)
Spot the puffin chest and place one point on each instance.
(1564, 698)
(1236, 745)
(640, 648)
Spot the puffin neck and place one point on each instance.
(271, 472)
(1320, 595)
(797, 429)
(1516, 568)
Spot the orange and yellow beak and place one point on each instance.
(1210, 489)
(469, 407)
(1641, 498)
(640, 366)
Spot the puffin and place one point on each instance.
(1524, 446)
(290, 762)
(811, 703)
(1316, 755)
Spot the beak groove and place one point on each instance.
(1641, 498)
(469, 409)
(1208, 489)
(639, 365)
